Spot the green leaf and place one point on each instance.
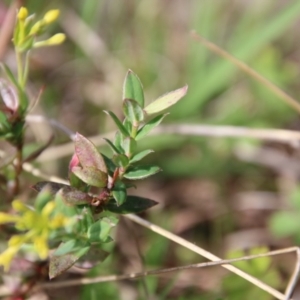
(127, 124)
(110, 164)
(91, 176)
(120, 126)
(133, 89)
(165, 101)
(94, 256)
(295, 198)
(76, 182)
(67, 210)
(118, 140)
(99, 231)
(149, 126)
(141, 172)
(69, 247)
(119, 192)
(42, 199)
(121, 160)
(4, 124)
(284, 224)
(10, 75)
(129, 146)
(139, 156)
(133, 111)
(133, 204)
(113, 147)
(88, 154)
(59, 264)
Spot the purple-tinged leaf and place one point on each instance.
(52, 187)
(9, 96)
(59, 264)
(70, 195)
(23, 100)
(133, 204)
(165, 101)
(93, 257)
(91, 176)
(88, 154)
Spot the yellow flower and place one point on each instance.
(36, 226)
(54, 40)
(7, 256)
(23, 13)
(37, 28)
(51, 16)
(7, 218)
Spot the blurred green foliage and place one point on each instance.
(85, 75)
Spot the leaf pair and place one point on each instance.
(133, 90)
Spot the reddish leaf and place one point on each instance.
(88, 154)
(70, 195)
(53, 187)
(91, 176)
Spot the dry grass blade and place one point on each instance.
(207, 254)
(245, 68)
(294, 279)
(98, 279)
(278, 135)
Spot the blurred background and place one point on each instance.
(231, 196)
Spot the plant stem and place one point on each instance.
(134, 130)
(26, 69)
(20, 68)
(18, 169)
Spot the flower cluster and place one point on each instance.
(37, 227)
(26, 30)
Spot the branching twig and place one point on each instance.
(225, 262)
(293, 281)
(209, 255)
